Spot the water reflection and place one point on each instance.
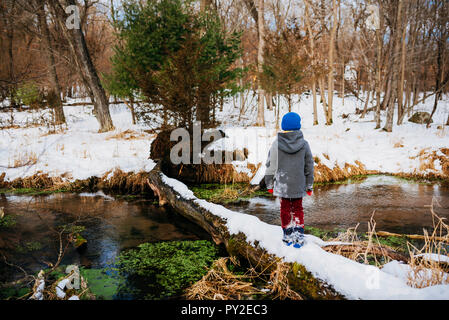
(398, 205)
(110, 226)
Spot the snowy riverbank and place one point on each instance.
(79, 151)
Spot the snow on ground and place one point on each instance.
(353, 280)
(77, 153)
(81, 152)
(348, 139)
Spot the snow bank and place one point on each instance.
(348, 139)
(80, 151)
(352, 279)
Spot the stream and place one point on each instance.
(399, 205)
(115, 224)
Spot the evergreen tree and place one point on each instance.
(175, 58)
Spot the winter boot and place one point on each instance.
(298, 237)
(287, 238)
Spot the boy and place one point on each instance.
(289, 175)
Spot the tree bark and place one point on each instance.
(395, 70)
(80, 51)
(330, 78)
(312, 56)
(260, 60)
(401, 107)
(323, 97)
(56, 88)
(378, 76)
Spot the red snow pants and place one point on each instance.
(292, 211)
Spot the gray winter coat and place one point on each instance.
(289, 166)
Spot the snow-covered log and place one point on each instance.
(183, 201)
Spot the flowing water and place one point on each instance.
(398, 205)
(112, 225)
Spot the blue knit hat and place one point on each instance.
(291, 121)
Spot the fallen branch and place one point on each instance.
(412, 236)
(347, 249)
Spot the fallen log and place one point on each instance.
(300, 280)
(412, 236)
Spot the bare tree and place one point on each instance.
(330, 78)
(48, 48)
(312, 56)
(78, 47)
(260, 60)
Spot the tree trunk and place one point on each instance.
(394, 67)
(343, 84)
(312, 56)
(330, 79)
(315, 113)
(56, 88)
(268, 98)
(438, 76)
(441, 40)
(8, 25)
(260, 61)
(80, 51)
(401, 107)
(323, 97)
(378, 77)
(130, 105)
(365, 108)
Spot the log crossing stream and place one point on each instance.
(112, 225)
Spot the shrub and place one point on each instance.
(29, 95)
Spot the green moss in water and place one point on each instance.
(225, 194)
(103, 283)
(29, 247)
(32, 191)
(7, 222)
(13, 293)
(163, 270)
(322, 233)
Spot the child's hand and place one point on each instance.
(270, 191)
(309, 192)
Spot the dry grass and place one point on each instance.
(324, 174)
(127, 135)
(363, 251)
(278, 284)
(22, 159)
(428, 272)
(424, 271)
(38, 181)
(223, 173)
(221, 284)
(124, 182)
(228, 194)
(427, 161)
